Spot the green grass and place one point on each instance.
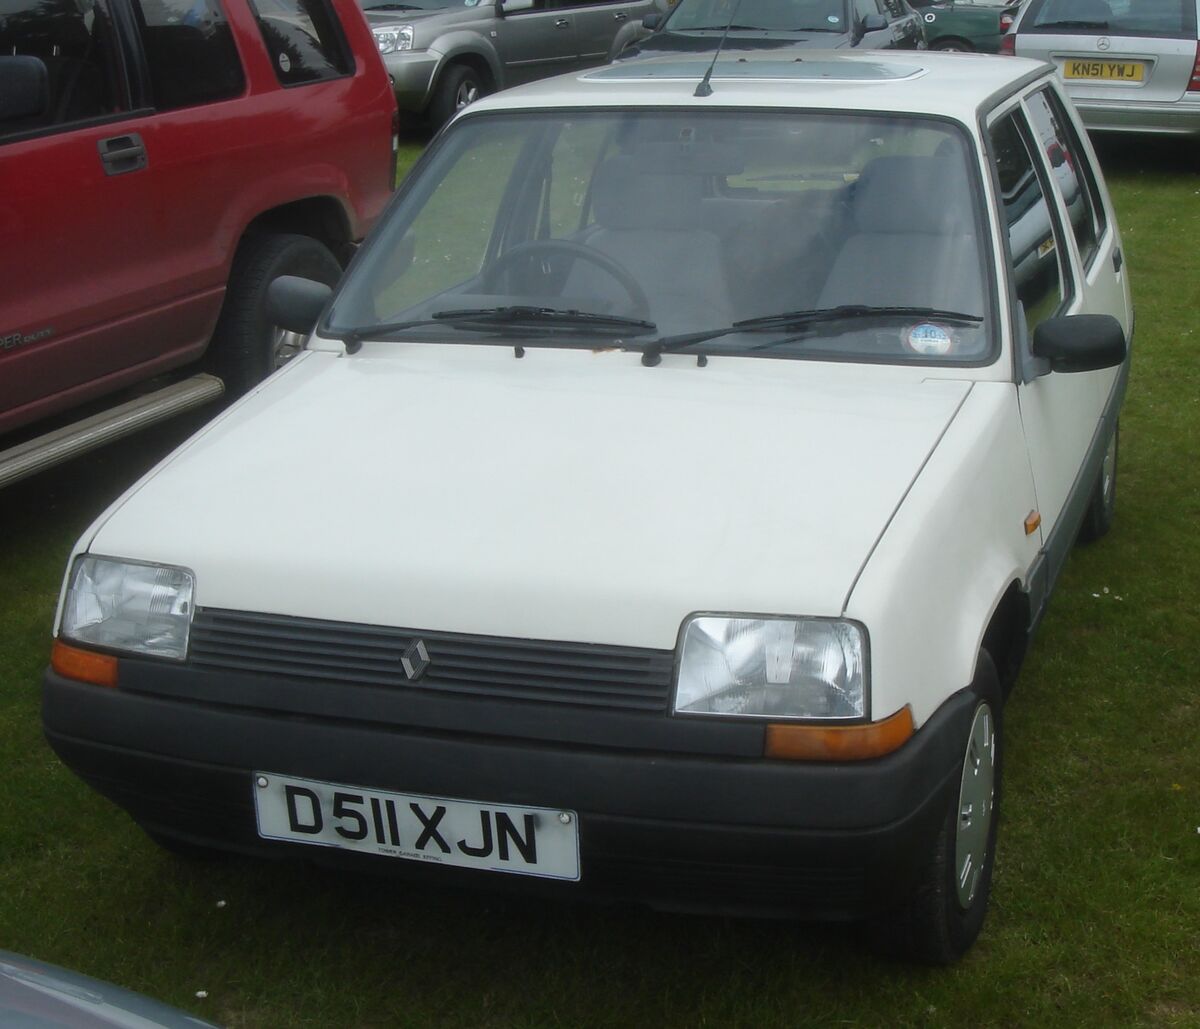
(1097, 897)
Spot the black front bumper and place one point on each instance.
(689, 824)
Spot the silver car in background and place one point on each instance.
(1129, 65)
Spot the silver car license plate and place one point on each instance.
(465, 833)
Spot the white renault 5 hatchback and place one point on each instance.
(660, 510)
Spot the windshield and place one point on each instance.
(780, 234)
(775, 15)
(1171, 19)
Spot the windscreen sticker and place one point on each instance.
(928, 340)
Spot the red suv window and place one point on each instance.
(304, 40)
(190, 52)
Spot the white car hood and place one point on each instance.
(568, 495)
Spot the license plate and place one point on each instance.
(1119, 71)
(464, 833)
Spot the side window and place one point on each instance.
(190, 52)
(893, 9)
(70, 64)
(1032, 245)
(304, 40)
(864, 7)
(1072, 175)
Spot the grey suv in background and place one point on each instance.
(443, 54)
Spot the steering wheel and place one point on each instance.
(545, 247)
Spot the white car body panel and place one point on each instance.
(954, 547)
(455, 449)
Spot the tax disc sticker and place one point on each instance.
(931, 17)
(285, 63)
(833, 19)
(928, 340)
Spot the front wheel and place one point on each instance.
(461, 86)
(944, 914)
(246, 346)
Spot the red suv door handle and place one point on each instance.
(121, 154)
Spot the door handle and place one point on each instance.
(620, 16)
(562, 23)
(122, 154)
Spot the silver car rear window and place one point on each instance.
(1165, 19)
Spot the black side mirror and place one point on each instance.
(1080, 342)
(24, 88)
(652, 21)
(295, 304)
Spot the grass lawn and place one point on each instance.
(1096, 908)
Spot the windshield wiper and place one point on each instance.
(523, 315)
(392, 7)
(849, 312)
(793, 320)
(518, 316)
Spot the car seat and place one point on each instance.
(912, 239)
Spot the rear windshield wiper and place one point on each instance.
(795, 320)
(514, 315)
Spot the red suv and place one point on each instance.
(161, 162)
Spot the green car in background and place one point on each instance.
(965, 24)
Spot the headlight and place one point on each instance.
(772, 668)
(391, 38)
(142, 608)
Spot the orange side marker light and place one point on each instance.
(83, 665)
(1032, 521)
(839, 742)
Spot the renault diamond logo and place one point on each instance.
(415, 660)
(1103, 43)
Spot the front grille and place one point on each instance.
(623, 678)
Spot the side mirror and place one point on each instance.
(24, 88)
(874, 23)
(1080, 342)
(652, 21)
(504, 7)
(295, 304)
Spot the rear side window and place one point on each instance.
(71, 72)
(1072, 177)
(1029, 219)
(190, 52)
(1172, 19)
(304, 40)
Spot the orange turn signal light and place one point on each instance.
(839, 742)
(1032, 521)
(84, 665)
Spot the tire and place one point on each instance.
(246, 347)
(942, 917)
(460, 85)
(1098, 518)
(952, 45)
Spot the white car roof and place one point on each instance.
(917, 82)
